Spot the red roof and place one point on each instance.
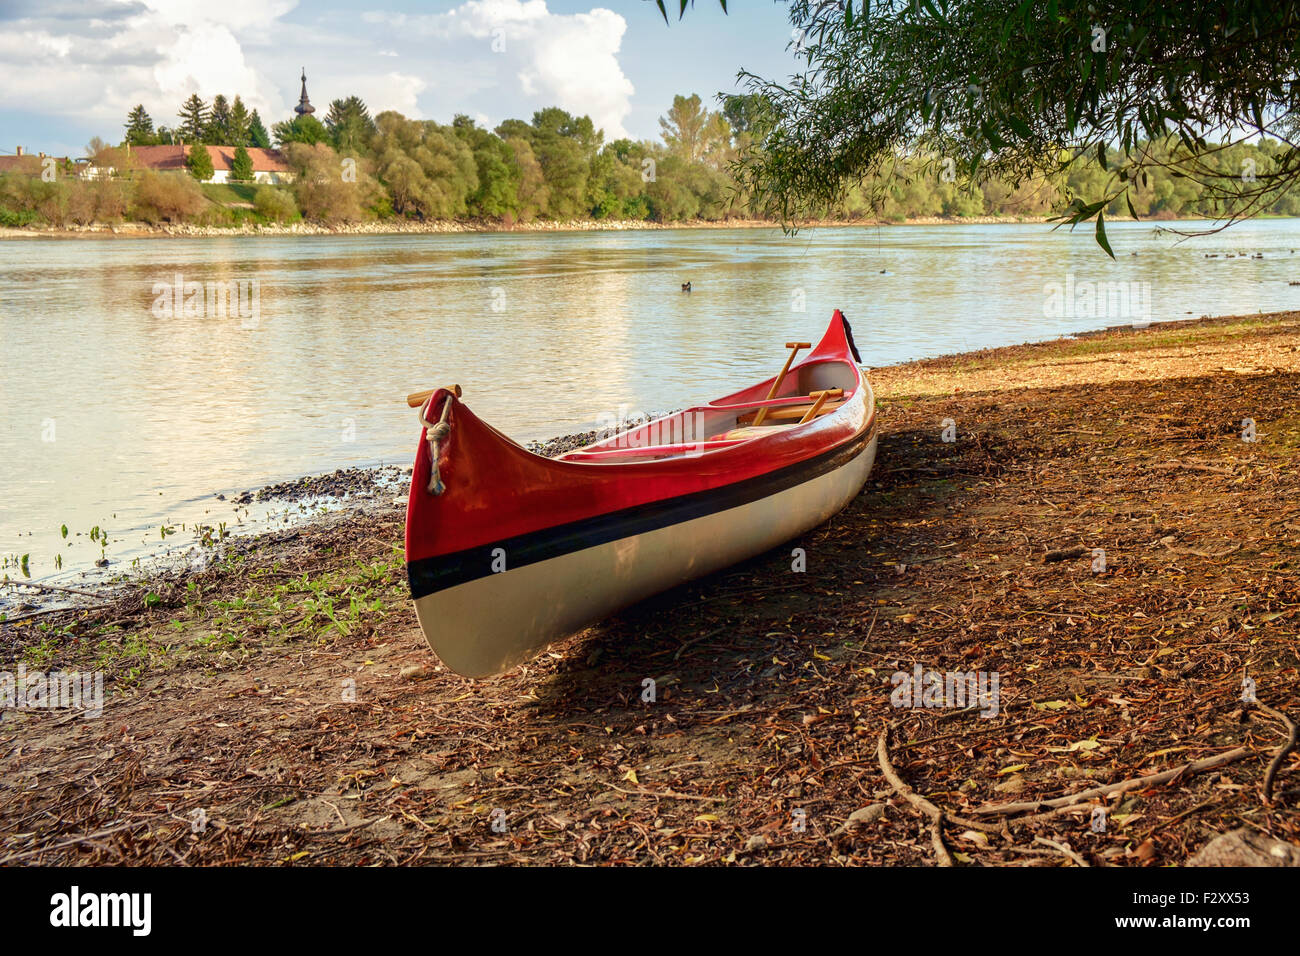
(173, 157)
(30, 163)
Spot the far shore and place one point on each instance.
(140, 230)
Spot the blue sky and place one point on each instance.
(75, 67)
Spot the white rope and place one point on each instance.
(436, 434)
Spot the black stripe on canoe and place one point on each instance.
(429, 575)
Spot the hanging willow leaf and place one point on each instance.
(1101, 234)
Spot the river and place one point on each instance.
(128, 407)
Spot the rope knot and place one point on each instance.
(436, 433)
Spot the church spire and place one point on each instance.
(304, 106)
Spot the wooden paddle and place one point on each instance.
(794, 348)
(416, 399)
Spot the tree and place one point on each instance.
(301, 129)
(217, 131)
(564, 146)
(257, 135)
(239, 124)
(241, 166)
(534, 195)
(616, 188)
(1020, 90)
(274, 204)
(349, 124)
(168, 197)
(669, 195)
(199, 163)
(322, 192)
(139, 127)
(497, 195)
(748, 113)
(194, 119)
(683, 127)
(429, 171)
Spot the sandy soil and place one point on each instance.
(1097, 533)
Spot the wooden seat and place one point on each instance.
(820, 404)
(787, 412)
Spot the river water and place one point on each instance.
(128, 404)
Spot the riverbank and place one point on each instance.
(140, 230)
(1098, 534)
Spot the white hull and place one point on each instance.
(485, 626)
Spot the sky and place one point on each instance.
(73, 68)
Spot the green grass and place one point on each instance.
(227, 193)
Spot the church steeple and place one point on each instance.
(304, 106)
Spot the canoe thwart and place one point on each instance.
(795, 412)
(821, 397)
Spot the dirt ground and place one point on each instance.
(1099, 533)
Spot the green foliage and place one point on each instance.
(533, 193)
(497, 193)
(238, 125)
(563, 147)
(275, 205)
(757, 155)
(199, 162)
(139, 128)
(16, 218)
(328, 188)
(241, 165)
(194, 119)
(167, 197)
(349, 124)
(301, 129)
(257, 135)
(429, 170)
(218, 130)
(1018, 91)
(695, 134)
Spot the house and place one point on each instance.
(268, 164)
(24, 162)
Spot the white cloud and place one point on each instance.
(551, 59)
(389, 91)
(91, 61)
(155, 52)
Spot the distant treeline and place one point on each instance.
(353, 167)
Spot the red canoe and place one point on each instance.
(507, 551)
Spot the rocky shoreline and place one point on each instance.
(139, 230)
